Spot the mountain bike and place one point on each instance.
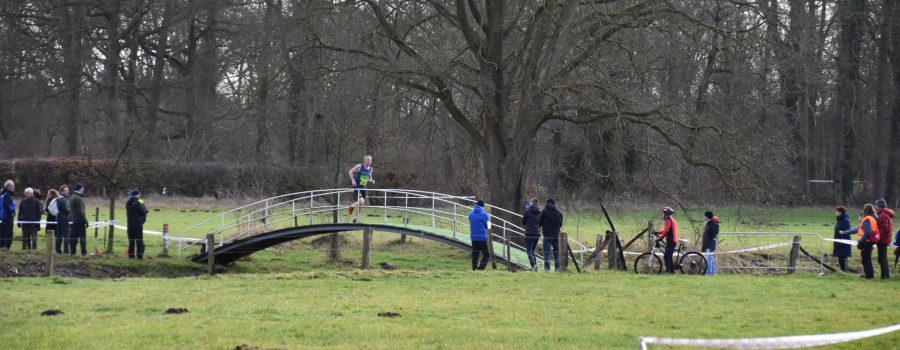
(688, 263)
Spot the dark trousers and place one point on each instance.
(530, 246)
(136, 243)
(29, 237)
(79, 234)
(842, 261)
(479, 248)
(551, 244)
(63, 229)
(667, 256)
(883, 261)
(866, 254)
(6, 233)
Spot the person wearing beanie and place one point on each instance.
(7, 214)
(531, 222)
(841, 251)
(137, 216)
(79, 222)
(551, 221)
(886, 225)
(478, 226)
(710, 240)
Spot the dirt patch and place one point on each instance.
(389, 314)
(251, 347)
(52, 312)
(94, 267)
(176, 310)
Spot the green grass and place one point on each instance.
(287, 297)
(338, 309)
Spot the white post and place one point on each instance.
(385, 206)
(310, 214)
(454, 220)
(433, 225)
(406, 211)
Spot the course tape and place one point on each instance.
(790, 342)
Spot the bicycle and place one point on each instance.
(689, 263)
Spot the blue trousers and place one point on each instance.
(551, 244)
(530, 246)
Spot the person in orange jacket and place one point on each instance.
(670, 234)
(867, 234)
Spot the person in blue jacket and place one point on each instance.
(7, 214)
(841, 251)
(478, 226)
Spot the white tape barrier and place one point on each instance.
(98, 224)
(790, 342)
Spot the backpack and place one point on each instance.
(52, 208)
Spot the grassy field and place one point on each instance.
(446, 309)
(287, 297)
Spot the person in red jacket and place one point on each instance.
(670, 234)
(885, 227)
(867, 235)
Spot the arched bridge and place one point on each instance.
(433, 216)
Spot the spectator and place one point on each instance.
(867, 235)
(841, 251)
(886, 225)
(63, 226)
(670, 234)
(531, 221)
(79, 222)
(7, 214)
(551, 221)
(710, 241)
(137, 215)
(52, 194)
(478, 226)
(30, 210)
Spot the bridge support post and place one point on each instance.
(563, 252)
(366, 249)
(598, 249)
(210, 253)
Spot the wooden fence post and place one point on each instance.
(598, 249)
(96, 218)
(367, 249)
(563, 252)
(490, 244)
(795, 251)
(611, 249)
(50, 244)
(210, 253)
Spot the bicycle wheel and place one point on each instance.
(692, 263)
(648, 263)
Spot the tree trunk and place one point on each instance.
(891, 181)
(73, 14)
(111, 67)
(159, 66)
(882, 87)
(852, 19)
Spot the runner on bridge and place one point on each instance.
(360, 178)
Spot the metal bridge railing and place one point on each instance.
(289, 210)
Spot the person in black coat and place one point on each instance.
(30, 209)
(531, 221)
(551, 221)
(137, 215)
(710, 241)
(842, 251)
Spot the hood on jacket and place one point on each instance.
(715, 219)
(534, 209)
(887, 211)
(478, 209)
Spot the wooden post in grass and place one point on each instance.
(563, 252)
(598, 248)
(96, 218)
(611, 247)
(210, 253)
(50, 241)
(366, 249)
(795, 251)
(490, 244)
